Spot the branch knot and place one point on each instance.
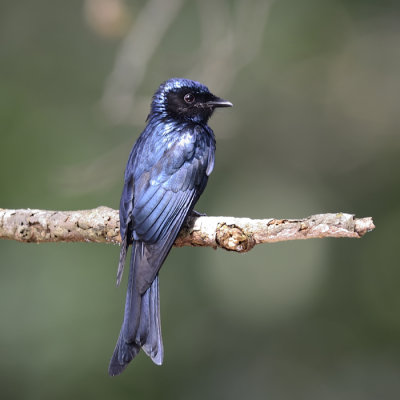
(233, 238)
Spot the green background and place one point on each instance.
(314, 128)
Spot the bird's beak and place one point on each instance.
(217, 102)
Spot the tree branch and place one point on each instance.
(101, 225)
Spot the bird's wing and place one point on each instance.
(164, 194)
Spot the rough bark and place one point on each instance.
(101, 225)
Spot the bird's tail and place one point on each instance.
(141, 327)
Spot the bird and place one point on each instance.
(166, 172)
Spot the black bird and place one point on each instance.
(167, 171)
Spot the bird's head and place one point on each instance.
(186, 100)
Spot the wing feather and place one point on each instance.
(179, 205)
(166, 186)
(155, 254)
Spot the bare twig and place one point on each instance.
(134, 54)
(101, 225)
(231, 39)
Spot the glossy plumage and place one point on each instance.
(167, 171)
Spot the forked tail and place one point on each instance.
(141, 327)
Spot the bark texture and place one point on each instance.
(101, 225)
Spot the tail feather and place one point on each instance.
(149, 332)
(141, 327)
(133, 300)
(123, 354)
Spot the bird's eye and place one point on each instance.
(189, 98)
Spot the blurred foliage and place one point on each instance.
(315, 128)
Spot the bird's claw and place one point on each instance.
(198, 214)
